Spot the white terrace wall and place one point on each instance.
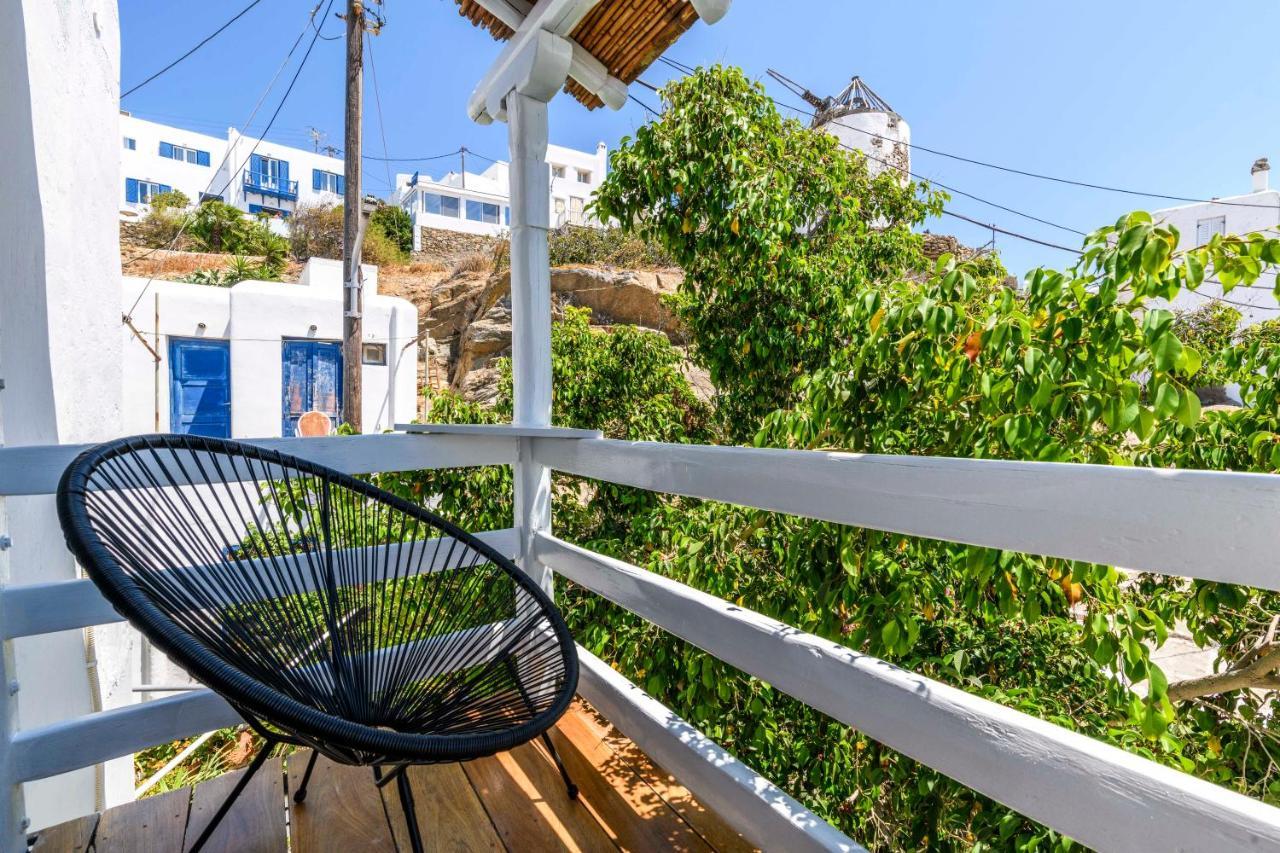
(59, 318)
(1242, 214)
(256, 316)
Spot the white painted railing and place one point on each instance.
(1200, 524)
(1209, 525)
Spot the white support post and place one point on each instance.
(530, 317)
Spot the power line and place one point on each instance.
(679, 66)
(231, 175)
(453, 153)
(382, 128)
(199, 45)
(977, 198)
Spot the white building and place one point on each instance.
(257, 176)
(245, 361)
(1258, 210)
(481, 203)
(864, 121)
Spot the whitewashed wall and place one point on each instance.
(255, 316)
(883, 137)
(59, 314)
(493, 186)
(1244, 214)
(145, 163)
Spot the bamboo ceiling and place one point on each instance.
(625, 35)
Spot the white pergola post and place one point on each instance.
(530, 317)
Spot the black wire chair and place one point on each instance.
(327, 612)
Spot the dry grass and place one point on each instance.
(170, 265)
(420, 267)
(476, 262)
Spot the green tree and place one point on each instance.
(735, 193)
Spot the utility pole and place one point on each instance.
(352, 232)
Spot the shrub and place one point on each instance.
(380, 249)
(575, 244)
(396, 224)
(173, 199)
(315, 231)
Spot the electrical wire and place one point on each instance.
(683, 68)
(955, 190)
(382, 127)
(199, 45)
(231, 176)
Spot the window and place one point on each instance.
(557, 171)
(441, 205)
(130, 143)
(188, 155)
(272, 212)
(323, 181)
(559, 209)
(584, 176)
(482, 211)
(506, 216)
(140, 192)
(1206, 228)
(269, 173)
(373, 353)
(575, 210)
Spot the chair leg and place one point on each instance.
(410, 812)
(301, 794)
(258, 761)
(551, 747)
(564, 772)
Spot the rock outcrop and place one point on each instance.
(468, 318)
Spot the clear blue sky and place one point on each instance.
(1172, 97)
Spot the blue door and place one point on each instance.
(200, 387)
(312, 381)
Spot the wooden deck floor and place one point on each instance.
(513, 801)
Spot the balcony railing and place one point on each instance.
(265, 184)
(1209, 525)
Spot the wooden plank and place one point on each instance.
(526, 799)
(630, 811)
(31, 609)
(1097, 794)
(36, 469)
(343, 810)
(255, 823)
(84, 741)
(73, 836)
(150, 825)
(756, 807)
(450, 816)
(1213, 525)
(586, 726)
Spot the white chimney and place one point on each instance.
(1261, 171)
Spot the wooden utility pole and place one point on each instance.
(352, 230)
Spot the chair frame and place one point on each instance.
(279, 718)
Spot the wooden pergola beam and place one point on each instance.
(583, 66)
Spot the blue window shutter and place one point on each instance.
(284, 172)
(316, 179)
(202, 158)
(256, 166)
(341, 185)
(166, 150)
(165, 188)
(131, 190)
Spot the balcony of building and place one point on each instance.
(269, 185)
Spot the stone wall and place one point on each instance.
(449, 247)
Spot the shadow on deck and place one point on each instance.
(510, 801)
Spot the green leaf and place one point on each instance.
(1167, 400)
(890, 634)
(1189, 408)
